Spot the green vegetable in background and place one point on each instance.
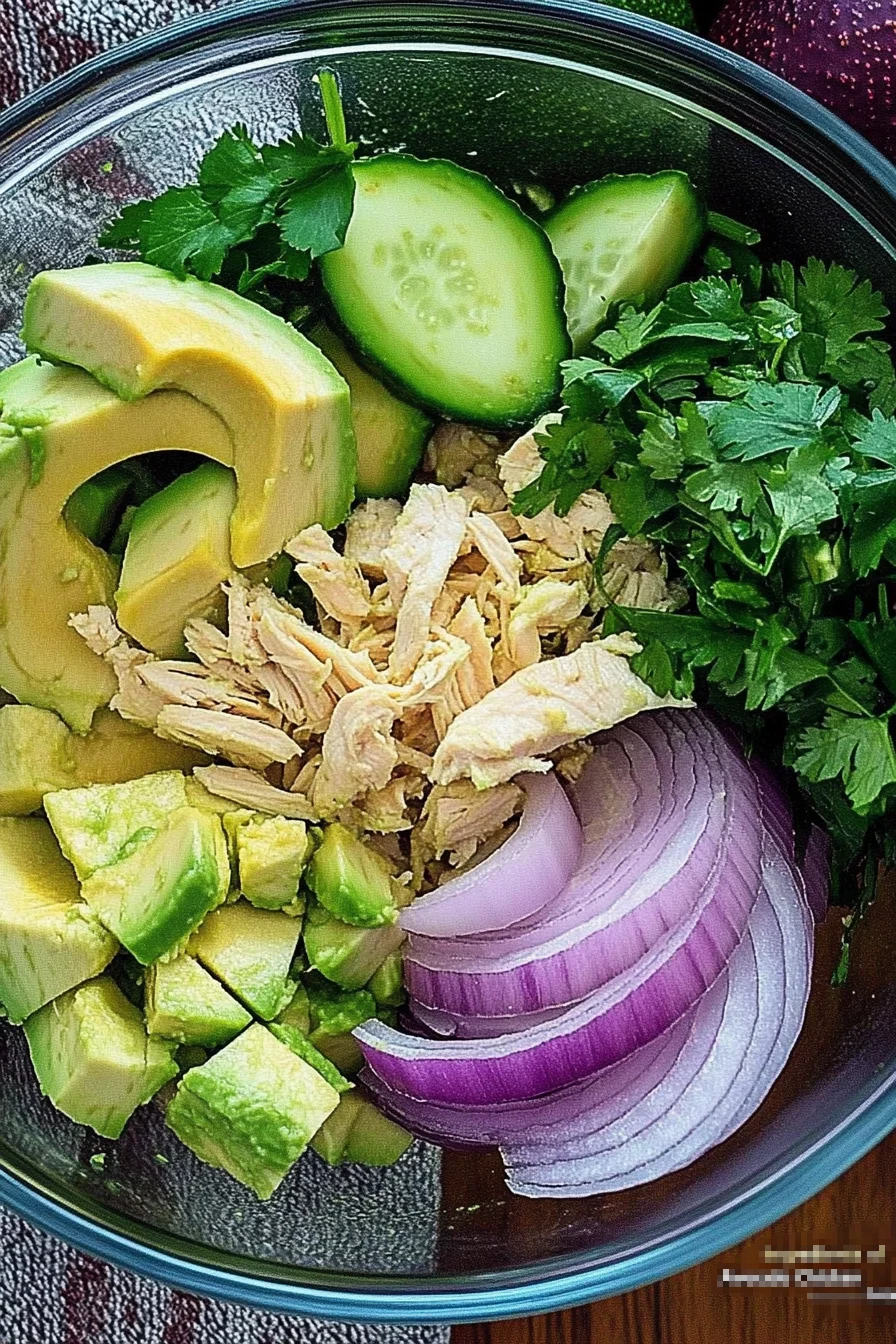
(677, 12)
(746, 424)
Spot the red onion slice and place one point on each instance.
(516, 880)
(706, 873)
(764, 1005)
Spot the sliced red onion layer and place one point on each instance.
(516, 880)
(766, 988)
(705, 945)
(608, 922)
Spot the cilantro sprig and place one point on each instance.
(257, 216)
(746, 424)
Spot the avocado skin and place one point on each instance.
(251, 1109)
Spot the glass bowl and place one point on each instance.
(550, 91)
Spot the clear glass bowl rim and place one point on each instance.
(561, 1281)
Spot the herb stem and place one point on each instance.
(333, 109)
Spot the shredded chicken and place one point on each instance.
(359, 752)
(243, 741)
(424, 545)
(457, 818)
(455, 451)
(516, 726)
(494, 547)
(547, 605)
(252, 790)
(367, 534)
(335, 581)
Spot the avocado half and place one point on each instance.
(161, 364)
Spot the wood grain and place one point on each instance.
(859, 1210)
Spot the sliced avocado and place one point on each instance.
(271, 853)
(390, 434)
(334, 1015)
(93, 1058)
(98, 825)
(39, 754)
(343, 953)
(297, 1012)
(186, 1004)
(94, 507)
(159, 893)
(251, 1109)
(351, 880)
(59, 428)
(50, 940)
(387, 982)
(176, 559)
(300, 1045)
(251, 951)
(358, 1132)
(287, 412)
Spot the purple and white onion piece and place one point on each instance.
(516, 880)
(611, 921)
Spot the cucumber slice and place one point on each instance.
(390, 435)
(450, 291)
(622, 238)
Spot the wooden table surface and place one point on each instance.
(858, 1211)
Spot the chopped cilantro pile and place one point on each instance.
(746, 424)
(256, 217)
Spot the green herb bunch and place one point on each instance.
(256, 217)
(746, 425)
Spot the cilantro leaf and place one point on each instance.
(770, 417)
(183, 233)
(576, 453)
(856, 749)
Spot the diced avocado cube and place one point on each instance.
(299, 1043)
(96, 826)
(251, 951)
(93, 1058)
(374, 1139)
(158, 894)
(351, 880)
(50, 940)
(199, 796)
(251, 1109)
(271, 854)
(358, 1132)
(176, 559)
(186, 1004)
(334, 1015)
(93, 508)
(343, 953)
(387, 982)
(297, 1012)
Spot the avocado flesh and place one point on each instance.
(271, 855)
(39, 754)
(351, 880)
(387, 982)
(358, 1132)
(334, 1014)
(50, 940)
(251, 952)
(343, 953)
(97, 824)
(300, 1045)
(137, 328)
(49, 571)
(93, 1058)
(186, 1004)
(92, 509)
(251, 1109)
(390, 434)
(176, 559)
(156, 896)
